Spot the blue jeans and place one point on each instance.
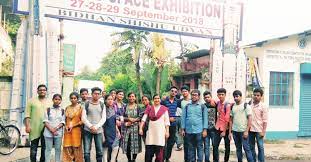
(195, 147)
(260, 142)
(179, 140)
(207, 143)
(49, 146)
(217, 139)
(87, 145)
(239, 141)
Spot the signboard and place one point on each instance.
(69, 58)
(202, 18)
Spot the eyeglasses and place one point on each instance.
(174, 91)
(42, 90)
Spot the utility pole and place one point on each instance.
(61, 48)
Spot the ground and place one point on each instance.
(276, 150)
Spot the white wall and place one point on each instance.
(271, 58)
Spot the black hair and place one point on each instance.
(196, 91)
(222, 90)
(57, 95)
(128, 95)
(207, 93)
(83, 90)
(42, 85)
(119, 91)
(258, 90)
(112, 90)
(106, 97)
(74, 94)
(237, 93)
(185, 87)
(96, 89)
(155, 95)
(145, 95)
(172, 87)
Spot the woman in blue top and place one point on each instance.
(111, 131)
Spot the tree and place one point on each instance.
(87, 74)
(133, 41)
(159, 56)
(6, 68)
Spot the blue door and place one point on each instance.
(305, 106)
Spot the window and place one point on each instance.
(281, 89)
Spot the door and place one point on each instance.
(305, 106)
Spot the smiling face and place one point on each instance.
(145, 101)
(42, 92)
(156, 100)
(132, 98)
(120, 96)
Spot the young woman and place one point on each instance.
(54, 120)
(158, 131)
(72, 150)
(111, 131)
(131, 144)
(146, 102)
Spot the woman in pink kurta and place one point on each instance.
(158, 130)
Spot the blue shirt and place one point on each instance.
(194, 118)
(172, 108)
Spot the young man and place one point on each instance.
(84, 93)
(181, 105)
(241, 119)
(212, 116)
(93, 118)
(194, 123)
(34, 116)
(259, 125)
(222, 125)
(171, 103)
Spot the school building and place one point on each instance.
(282, 66)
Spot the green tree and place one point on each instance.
(133, 41)
(6, 68)
(87, 74)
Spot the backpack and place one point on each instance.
(87, 104)
(186, 108)
(225, 106)
(49, 112)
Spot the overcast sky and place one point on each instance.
(263, 19)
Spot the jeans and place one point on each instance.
(260, 142)
(49, 146)
(239, 140)
(170, 142)
(179, 138)
(87, 142)
(217, 140)
(207, 143)
(34, 147)
(195, 147)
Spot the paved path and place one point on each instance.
(284, 151)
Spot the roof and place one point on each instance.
(196, 54)
(261, 43)
(187, 74)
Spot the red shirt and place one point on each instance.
(223, 117)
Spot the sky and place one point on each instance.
(263, 19)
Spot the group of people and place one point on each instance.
(115, 125)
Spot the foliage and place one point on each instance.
(87, 74)
(6, 68)
(12, 21)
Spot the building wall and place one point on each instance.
(281, 55)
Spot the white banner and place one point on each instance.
(203, 18)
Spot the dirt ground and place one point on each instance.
(287, 150)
